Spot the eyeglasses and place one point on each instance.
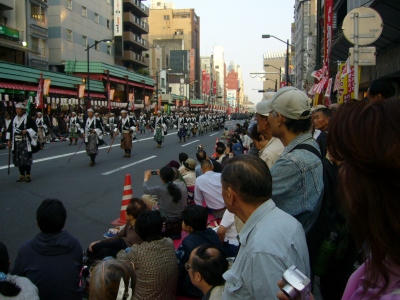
(188, 267)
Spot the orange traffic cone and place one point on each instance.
(127, 195)
(215, 148)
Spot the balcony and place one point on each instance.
(139, 26)
(135, 40)
(137, 7)
(135, 58)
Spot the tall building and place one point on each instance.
(274, 66)
(305, 16)
(220, 70)
(23, 32)
(135, 16)
(177, 29)
(76, 24)
(235, 85)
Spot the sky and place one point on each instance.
(238, 27)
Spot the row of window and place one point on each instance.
(70, 38)
(84, 13)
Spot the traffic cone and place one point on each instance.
(215, 148)
(126, 199)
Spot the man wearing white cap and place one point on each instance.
(42, 128)
(297, 176)
(159, 128)
(22, 138)
(93, 136)
(74, 127)
(126, 126)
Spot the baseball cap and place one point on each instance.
(190, 164)
(237, 149)
(288, 101)
(317, 107)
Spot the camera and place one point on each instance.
(296, 284)
(154, 172)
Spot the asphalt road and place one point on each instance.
(91, 195)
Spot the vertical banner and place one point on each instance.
(208, 83)
(328, 92)
(147, 100)
(328, 32)
(108, 97)
(177, 103)
(81, 93)
(203, 82)
(168, 109)
(159, 101)
(184, 102)
(46, 87)
(39, 96)
(132, 101)
(165, 107)
(346, 87)
(118, 18)
(192, 64)
(112, 91)
(215, 87)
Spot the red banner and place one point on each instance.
(159, 101)
(208, 87)
(184, 103)
(177, 103)
(282, 84)
(328, 33)
(46, 87)
(81, 93)
(132, 101)
(39, 96)
(108, 96)
(215, 87)
(204, 83)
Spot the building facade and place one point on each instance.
(274, 66)
(178, 29)
(305, 16)
(75, 25)
(220, 71)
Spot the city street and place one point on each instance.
(91, 195)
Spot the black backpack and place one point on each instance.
(328, 209)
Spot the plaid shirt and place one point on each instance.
(156, 269)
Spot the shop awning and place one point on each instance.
(18, 86)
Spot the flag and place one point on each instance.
(337, 82)
(132, 101)
(329, 88)
(318, 74)
(39, 96)
(46, 87)
(346, 68)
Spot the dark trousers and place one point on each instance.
(25, 169)
(92, 157)
(103, 249)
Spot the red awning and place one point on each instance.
(18, 86)
(95, 95)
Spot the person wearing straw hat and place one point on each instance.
(21, 138)
(126, 127)
(159, 128)
(42, 126)
(74, 128)
(93, 136)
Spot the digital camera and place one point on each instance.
(296, 284)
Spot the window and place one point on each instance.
(179, 32)
(42, 47)
(84, 12)
(96, 18)
(35, 43)
(84, 41)
(69, 35)
(108, 23)
(166, 17)
(97, 47)
(37, 12)
(69, 4)
(109, 50)
(163, 82)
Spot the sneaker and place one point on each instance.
(28, 178)
(92, 163)
(111, 233)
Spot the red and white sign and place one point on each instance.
(282, 84)
(118, 18)
(329, 88)
(328, 32)
(39, 96)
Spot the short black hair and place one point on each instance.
(325, 111)
(195, 216)
(383, 87)
(253, 133)
(210, 266)
(201, 155)
(298, 126)
(183, 157)
(51, 216)
(220, 150)
(148, 225)
(249, 177)
(135, 207)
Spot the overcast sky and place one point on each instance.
(238, 26)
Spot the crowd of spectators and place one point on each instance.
(266, 189)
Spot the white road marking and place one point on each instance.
(127, 166)
(213, 134)
(4, 154)
(190, 143)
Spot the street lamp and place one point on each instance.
(276, 83)
(108, 41)
(279, 69)
(267, 36)
(168, 69)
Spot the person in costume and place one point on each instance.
(180, 126)
(21, 138)
(93, 136)
(142, 123)
(201, 122)
(41, 129)
(159, 128)
(126, 127)
(74, 128)
(188, 125)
